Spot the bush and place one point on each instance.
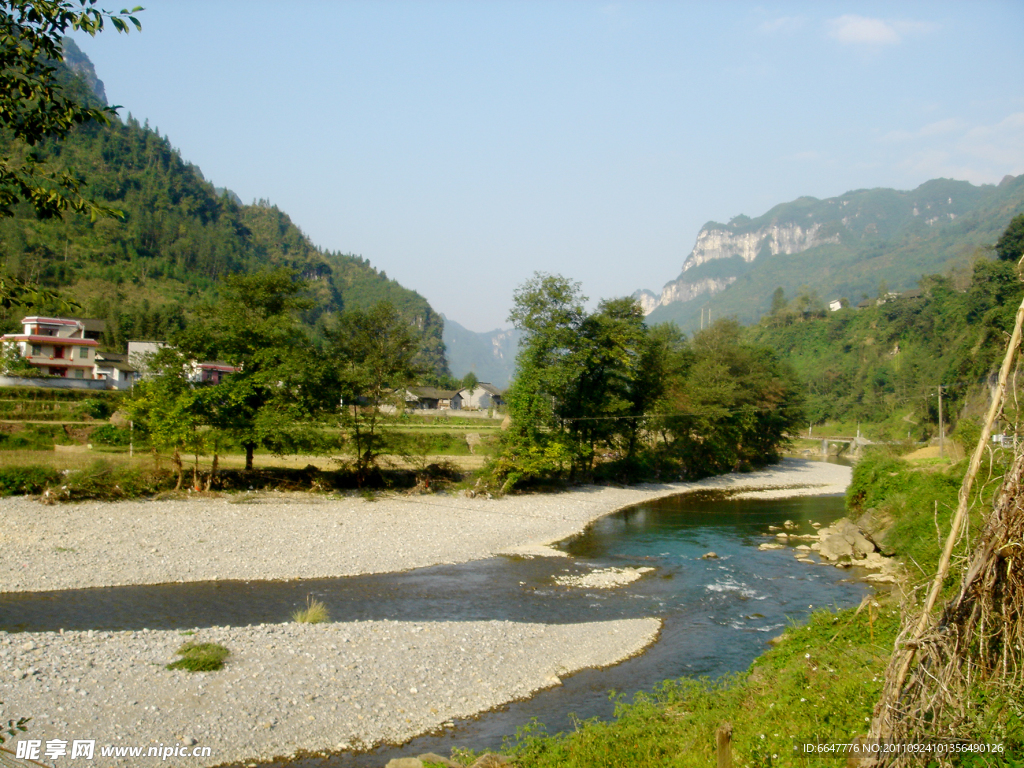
(200, 657)
(108, 434)
(92, 408)
(103, 480)
(30, 479)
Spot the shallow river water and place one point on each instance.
(717, 614)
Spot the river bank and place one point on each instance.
(289, 687)
(263, 536)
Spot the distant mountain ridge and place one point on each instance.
(841, 247)
(490, 356)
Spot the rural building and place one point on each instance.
(57, 346)
(114, 368)
(482, 397)
(432, 398)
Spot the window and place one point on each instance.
(79, 373)
(58, 352)
(83, 352)
(37, 349)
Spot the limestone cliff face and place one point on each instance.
(685, 290)
(716, 241)
(722, 242)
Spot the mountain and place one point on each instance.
(842, 247)
(491, 356)
(146, 273)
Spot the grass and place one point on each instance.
(200, 657)
(315, 612)
(818, 685)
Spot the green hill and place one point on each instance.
(843, 247)
(144, 274)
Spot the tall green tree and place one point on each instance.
(373, 351)
(281, 380)
(1010, 246)
(169, 407)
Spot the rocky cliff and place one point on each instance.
(840, 247)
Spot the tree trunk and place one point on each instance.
(176, 461)
(213, 470)
(249, 448)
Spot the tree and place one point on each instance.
(374, 351)
(1010, 246)
(549, 309)
(778, 301)
(34, 105)
(170, 407)
(281, 380)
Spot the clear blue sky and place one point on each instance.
(461, 146)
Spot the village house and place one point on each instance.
(482, 397)
(114, 368)
(432, 398)
(57, 346)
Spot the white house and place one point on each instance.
(482, 397)
(56, 345)
(114, 368)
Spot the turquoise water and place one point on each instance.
(717, 614)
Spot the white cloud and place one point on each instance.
(851, 29)
(938, 128)
(981, 154)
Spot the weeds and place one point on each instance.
(315, 612)
(200, 657)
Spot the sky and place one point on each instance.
(463, 146)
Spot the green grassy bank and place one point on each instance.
(819, 683)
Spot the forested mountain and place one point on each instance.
(843, 247)
(884, 363)
(145, 273)
(490, 356)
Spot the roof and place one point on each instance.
(116, 365)
(40, 320)
(431, 393)
(91, 324)
(57, 341)
(486, 386)
(112, 357)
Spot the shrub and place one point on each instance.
(30, 479)
(200, 657)
(108, 434)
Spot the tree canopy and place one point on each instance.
(34, 104)
(602, 390)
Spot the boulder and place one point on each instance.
(769, 545)
(709, 556)
(834, 547)
(432, 757)
(405, 762)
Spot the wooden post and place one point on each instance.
(723, 738)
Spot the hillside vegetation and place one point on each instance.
(146, 273)
(884, 363)
(860, 240)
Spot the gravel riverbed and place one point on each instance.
(292, 536)
(288, 688)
